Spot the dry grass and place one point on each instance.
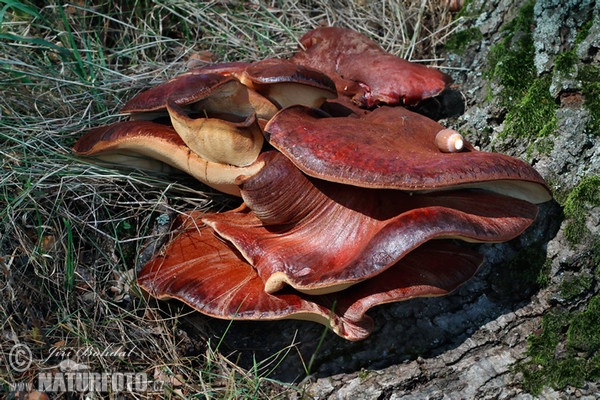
(71, 232)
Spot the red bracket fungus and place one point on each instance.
(200, 269)
(200, 91)
(345, 206)
(217, 139)
(138, 143)
(286, 83)
(394, 148)
(290, 216)
(361, 69)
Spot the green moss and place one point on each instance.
(541, 352)
(511, 60)
(542, 347)
(596, 255)
(583, 334)
(535, 114)
(584, 31)
(524, 19)
(565, 353)
(511, 68)
(460, 40)
(574, 287)
(576, 206)
(531, 110)
(594, 368)
(543, 277)
(565, 62)
(589, 75)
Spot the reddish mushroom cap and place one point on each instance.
(183, 89)
(134, 139)
(286, 83)
(320, 237)
(235, 69)
(394, 148)
(361, 69)
(198, 268)
(208, 93)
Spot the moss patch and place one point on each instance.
(531, 110)
(584, 31)
(576, 206)
(565, 62)
(564, 354)
(460, 40)
(583, 334)
(511, 60)
(574, 287)
(535, 114)
(590, 80)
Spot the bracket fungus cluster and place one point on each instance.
(350, 200)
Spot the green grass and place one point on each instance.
(71, 231)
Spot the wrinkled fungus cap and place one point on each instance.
(321, 237)
(361, 69)
(200, 269)
(393, 148)
(216, 139)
